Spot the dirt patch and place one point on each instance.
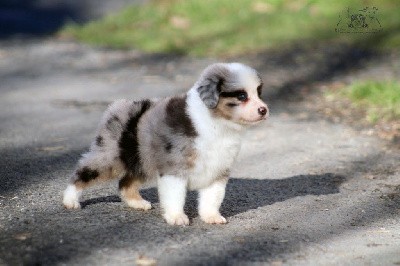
(342, 111)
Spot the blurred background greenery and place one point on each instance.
(225, 29)
(228, 28)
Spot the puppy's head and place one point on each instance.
(232, 91)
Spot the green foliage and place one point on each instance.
(225, 27)
(379, 99)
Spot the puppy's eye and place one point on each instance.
(242, 96)
(259, 90)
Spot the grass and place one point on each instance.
(380, 99)
(230, 28)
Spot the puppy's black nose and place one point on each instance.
(262, 111)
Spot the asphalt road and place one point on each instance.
(304, 191)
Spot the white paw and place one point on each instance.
(71, 198)
(213, 219)
(71, 204)
(139, 204)
(176, 219)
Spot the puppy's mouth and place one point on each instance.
(253, 122)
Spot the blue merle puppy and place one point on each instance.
(186, 142)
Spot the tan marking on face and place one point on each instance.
(246, 112)
(224, 111)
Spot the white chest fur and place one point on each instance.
(214, 157)
(217, 144)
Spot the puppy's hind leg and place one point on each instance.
(71, 197)
(129, 187)
(88, 172)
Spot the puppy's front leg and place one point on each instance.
(210, 200)
(172, 193)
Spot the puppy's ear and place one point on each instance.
(209, 93)
(210, 83)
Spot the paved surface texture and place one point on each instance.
(304, 191)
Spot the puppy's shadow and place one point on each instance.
(246, 194)
(88, 202)
(148, 194)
